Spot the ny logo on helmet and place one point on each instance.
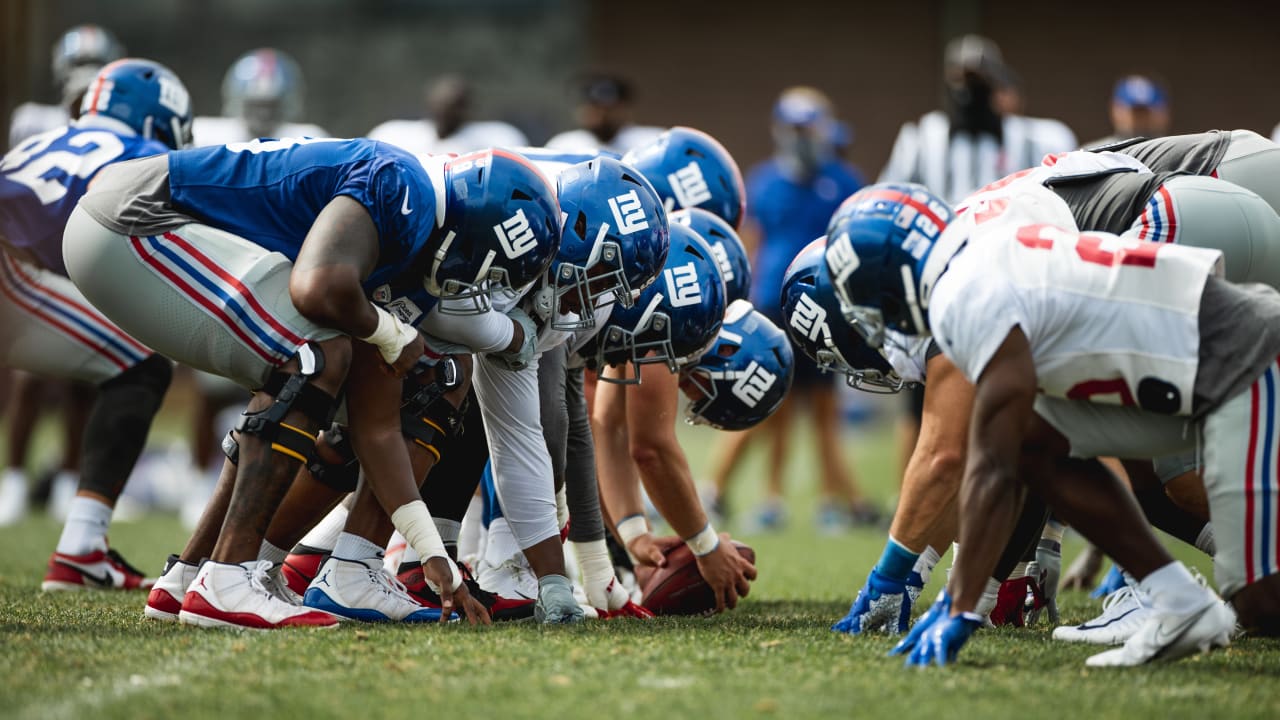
(515, 236)
(173, 96)
(809, 318)
(722, 260)
(689, 186)
(841, 260)
(753, 383)
(682, 285)
(628, 213)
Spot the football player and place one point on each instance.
(272, 299)
(262, 97)
(77, 56)
(1165, 304)
(448, 127)
(137, 108)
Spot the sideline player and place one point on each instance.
(135, 108)
(271, 298)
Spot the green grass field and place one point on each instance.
(72, 656)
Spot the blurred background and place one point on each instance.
(714, 65)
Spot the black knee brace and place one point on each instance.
(426, 418)
(344, 474)
(292, 392)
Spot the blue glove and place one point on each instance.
(882, 604)
(944, 639)
(941, 609)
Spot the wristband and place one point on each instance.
(419, 530)
(390, 336)
(704, 542)
(632, 527)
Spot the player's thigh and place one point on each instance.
(1096, 430)
(1253, 162)
(1241, 446)
(1213, 213)
(48, 328)
(201, 296)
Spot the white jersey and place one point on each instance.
(628, 138)
(420, 136)
(30, 119)
(954, 167)
(1108, 320)
(209, 130)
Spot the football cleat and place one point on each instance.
(299, 569)
(96, 570)
(1169, 636)
(236, 596)
(512, 578)
(364, 590)
(500, 608)
(1123, 613)
(165, 599)
(1111, 582)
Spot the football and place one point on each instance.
(678, 588)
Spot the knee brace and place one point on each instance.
(231, 448)
(292, 392)
(426, 418)
(342, 475)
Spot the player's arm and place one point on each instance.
(340, 250)
(926, 513)
(651, 417)
(990, 494)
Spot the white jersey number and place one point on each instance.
(26, 165)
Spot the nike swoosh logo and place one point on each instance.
(1115, 619)
(404, 207)
(105, 579)
(1164, 639)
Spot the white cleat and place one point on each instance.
(165, 600)
(13, 497)
(513, 578)
(364, 590)
(227, 595)
(1123, 613)
(1167, 636)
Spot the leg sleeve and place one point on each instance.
(555, 419)
(581, 489)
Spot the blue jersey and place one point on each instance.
(270, 192)
(44, 176)
(790, 215)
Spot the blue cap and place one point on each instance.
(802, 106)
(1136, 90)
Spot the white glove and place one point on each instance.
(520, 358)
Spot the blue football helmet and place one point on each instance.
(745, 375)
(81, 47)
(673, 321)
(265, 87)
(498, 234)
(146, 96)
(729, 253)
(876, 255)
(690, 169)
(614, 240)
(815, 324)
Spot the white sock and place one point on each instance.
(925, 564)
(267, 551)
(472, 527)
(86, 527)
(354, 547)
(1053, 530)
(13, 476)
(325, 534)
(1205, 542)
(502, 543)
(1019, 570)
(1172, 589)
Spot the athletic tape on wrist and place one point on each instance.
(704, 542)
(391, 336)
(632, 527)
(419, 530)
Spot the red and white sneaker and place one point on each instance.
(300, 569)
(165, 600)
(97, 570)
(500, 608)
(228, 595)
